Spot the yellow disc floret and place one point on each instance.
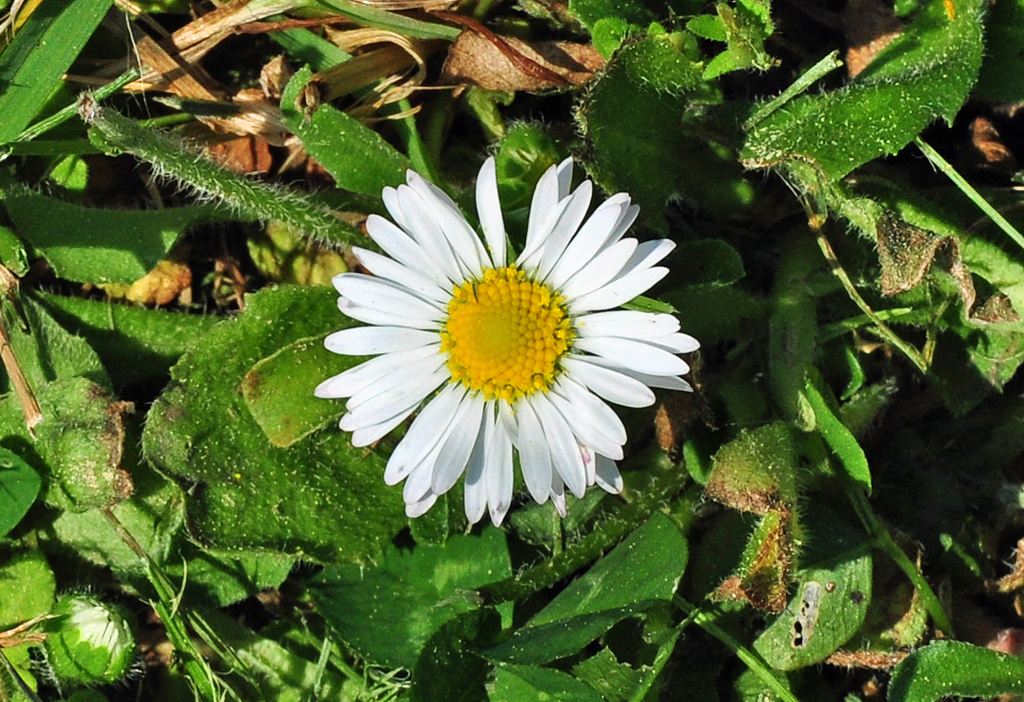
(505, 334)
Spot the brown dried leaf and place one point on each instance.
(987, 152)
(907, 252)
(476, 60)
(244, 154)
(161, 286)
(874, 660)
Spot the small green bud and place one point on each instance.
(90, 642)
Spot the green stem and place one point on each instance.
(58, 118)
(421, 161)
(661, 659)
(883, 541)
(968, 190)
(706, 621)
(249, 197)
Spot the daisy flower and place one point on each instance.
(508, 355)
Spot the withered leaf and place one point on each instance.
(478, 60)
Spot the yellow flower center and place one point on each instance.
(505, 334)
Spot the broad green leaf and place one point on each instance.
(33, 64)
(388, 612)
(643, 150)
(12, 252)
(449, 669)
(134, 343)
(744, 27)
(643, 569)
(531, 683)
(1002, 73)
(715, 312)
(78, 446)
(319, 497)
(356, 156)
(47, 352)
(19, 486)
(90, 245)
(831, 598)
(927, 72)
(590, 12)
(613, 680)
(757, 471)
(946, 668)
(273, 391)
(29, 587)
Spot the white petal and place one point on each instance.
(677, 343)
(648, 253)
(390, 197)
(385, 295)
(635, 355)
(593, 422)
(629, 216)
(564, 177)
(534, 457)
(459, 445)
(565, 228)
(425, 231)
(498, 474)
(417, 509)
(545, 199)
(475, 487)
(619, 291)
(601, 269)
(566, 459)
(591, 237)
(426, 431)
(356, 378)
(488, 210)
(589, 460)
(450, 220)
(367, 341)
(365, 436)
(378, 402)
(669, 382)
(537, 239)
(414, 279)
(398, 244)
(558, 495)
(608, 477)
(612, 385)
(379, 317)
(629, 324)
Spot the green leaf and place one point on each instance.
(32, 65)
(278, 673)
(29, 587)
(388, 612)
(757, 471)
(135, 344)
(840, 439)
(47, 352)
(1002, 74)
(643, 569)
(706, 262)
(449, 669)
(745, 28)
(946, 668)
(590, 12)
(531, 683)
(78, 446)
(356, 156)
(19, 486)
(319, 497)
(641, 150)
(708, 26)
(614, 681)
(12, 252)
(831, 599)
(90, 245)
(284, 415)
(927, 70)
